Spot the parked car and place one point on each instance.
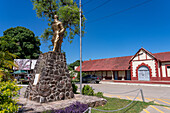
(91, 79)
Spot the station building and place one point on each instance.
(143, 66)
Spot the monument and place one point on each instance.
(51, 79)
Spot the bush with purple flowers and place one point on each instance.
(74, 108)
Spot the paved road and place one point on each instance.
(160, 95)
(149, 91)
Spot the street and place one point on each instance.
(148, 91)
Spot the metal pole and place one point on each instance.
(142, 95)
(80, 52)
(89, 110)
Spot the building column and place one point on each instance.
(112, 75)
(103, 76)
(106, 75)
(123, 78)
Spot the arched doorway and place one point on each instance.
(143, 73)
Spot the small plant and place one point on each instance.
(74, 87)
(99, 94)
(74, 108)
(8, 90)
(87, 90)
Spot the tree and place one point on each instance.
(73, 72)
(72, 65)
(21, 42)
(8, 87)
(68, 13)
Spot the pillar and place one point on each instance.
(112, 75)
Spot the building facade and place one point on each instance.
(143, 66)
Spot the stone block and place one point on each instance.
(54, 83)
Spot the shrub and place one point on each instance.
(8, 89)
(99, 94)
(87, 90)
(74, 108)
(78, 75)
(74, 87)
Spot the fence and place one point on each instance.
(139, 91)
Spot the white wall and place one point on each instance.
(164, 69)
(149, 57)
(151, 63)
(142, 55)
(168, 72)
(159, 70)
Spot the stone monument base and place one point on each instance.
(51, 79)
(34, 107)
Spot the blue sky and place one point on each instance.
(124, 34)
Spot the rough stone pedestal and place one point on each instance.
(54, 81)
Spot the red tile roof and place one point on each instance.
(163, 57)
(117, 63)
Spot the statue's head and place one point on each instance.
(55, 17)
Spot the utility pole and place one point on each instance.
(80, 52)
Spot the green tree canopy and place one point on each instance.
(72, 65)
(8, 88)
(21, 42)
(67, 11)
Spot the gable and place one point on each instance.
(142, 54)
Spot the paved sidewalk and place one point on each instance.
(135, 84)
(151, 108)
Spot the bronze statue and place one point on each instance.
(58, 34)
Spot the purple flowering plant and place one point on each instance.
(74, 108)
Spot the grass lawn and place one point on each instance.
(115, 103)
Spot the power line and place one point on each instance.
(121, 11)
(98, 6)
(86, 2)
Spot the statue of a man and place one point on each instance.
(58, 34)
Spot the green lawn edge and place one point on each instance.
(116, 103)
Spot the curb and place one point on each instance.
(157, 85)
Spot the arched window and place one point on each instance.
(143, 73)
